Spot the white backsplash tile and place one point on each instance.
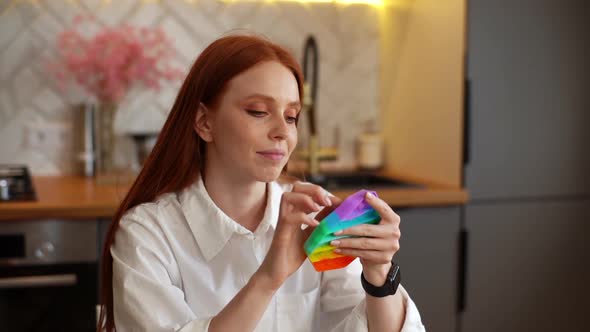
(125, 9)
(347, 37)
(11, 26)
(51, 105)
(6, 105)
(148, 14)
(45, 25)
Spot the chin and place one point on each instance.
(268, 175)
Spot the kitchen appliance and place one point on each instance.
(144, 143)
(48, 275)
(16, 184)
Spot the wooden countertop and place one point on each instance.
(71, 197)
(66, 197)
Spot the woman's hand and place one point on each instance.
(375, 244)
(286, 253)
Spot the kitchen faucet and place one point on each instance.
(310, 88)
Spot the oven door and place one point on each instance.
(48, 297)
(48, 275)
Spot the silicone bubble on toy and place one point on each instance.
(353, 211)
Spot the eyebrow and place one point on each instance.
(271, 99)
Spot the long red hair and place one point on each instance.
(177, 157)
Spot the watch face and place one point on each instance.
(392, 272)
(391, 283)
(392, 276)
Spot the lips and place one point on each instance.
(273, 154)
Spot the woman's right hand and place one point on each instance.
(286, 253)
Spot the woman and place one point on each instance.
(209, 239)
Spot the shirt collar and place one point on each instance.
(211, 227)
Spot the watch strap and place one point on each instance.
(390, 286)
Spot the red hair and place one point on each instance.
(177, 157)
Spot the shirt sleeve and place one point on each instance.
(145, 294)
(343, 306)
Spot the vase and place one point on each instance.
(107, 171)
(105, 137)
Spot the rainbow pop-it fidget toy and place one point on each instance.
(353, 211)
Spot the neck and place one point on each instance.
(242, 200)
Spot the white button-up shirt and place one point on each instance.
(178, 261)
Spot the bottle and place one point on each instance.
(370, 148)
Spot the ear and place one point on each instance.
(203, 123)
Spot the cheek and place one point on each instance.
(246, 136)
(232, 136)
(292, 140)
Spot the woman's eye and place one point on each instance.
(291, 119)
(256, 113)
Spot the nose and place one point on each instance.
(280, 129)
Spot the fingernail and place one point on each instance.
(337, 250)
(317, 206)
(369, 195)
(327, 200)
(338, 233)
(335, 243)
(315, 222)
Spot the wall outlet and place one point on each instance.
(48, 136)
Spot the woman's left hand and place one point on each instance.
(375, 244)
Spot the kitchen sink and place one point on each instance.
(357, 180)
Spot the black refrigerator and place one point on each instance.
(524, 232)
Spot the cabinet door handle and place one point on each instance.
(462, 287)
(466, 121)
(52, 280)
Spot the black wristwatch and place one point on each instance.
(394, 277)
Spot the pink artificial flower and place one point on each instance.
(108, 64)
